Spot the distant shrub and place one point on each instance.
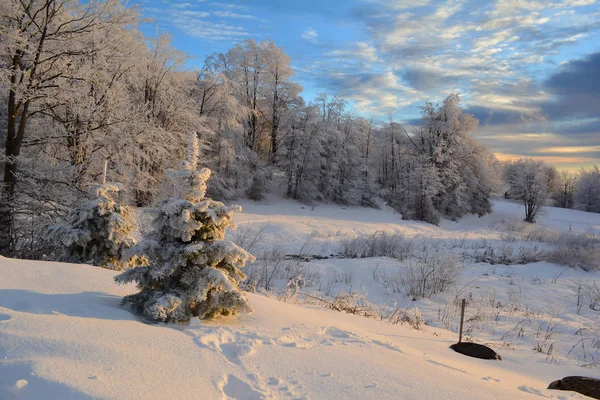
(576, 250)
(430, 274)
(518, 230)
(377, 244)
(510, 255)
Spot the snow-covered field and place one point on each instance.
(63, 334)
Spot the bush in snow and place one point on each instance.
(510, 255)
(576, 250)
(98, 231)
(192, 271)
(377, 244)
(430, 274)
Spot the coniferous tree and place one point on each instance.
(192, 271)
(98, 231)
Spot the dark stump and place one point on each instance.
(586, 386)
(475, 350)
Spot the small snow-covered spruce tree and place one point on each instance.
(192, 271)
(98, 231)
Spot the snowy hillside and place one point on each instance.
(63, 334)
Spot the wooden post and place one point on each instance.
(462, 318)
(105, 171)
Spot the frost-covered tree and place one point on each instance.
(457, 172)
(302, 160)
(43, 43)
(280, 92)
(531, 182)
(564, 194)
(587, 190)
(420, 191)
(98, 231)
(192, 271)
(166, 93)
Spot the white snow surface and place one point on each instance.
(63, 334)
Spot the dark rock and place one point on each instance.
(586, 386)
(475, 350)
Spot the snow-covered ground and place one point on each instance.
(63, 334)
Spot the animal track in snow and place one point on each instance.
(230, 343)
(274, 381)
(489, 378)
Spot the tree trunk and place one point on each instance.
(14, 139)
(274, 128)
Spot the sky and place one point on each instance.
(528, 70)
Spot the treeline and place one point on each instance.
(579, 190)
(82, 91)
(537, 184)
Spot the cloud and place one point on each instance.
(400, 4)
(182, 5)
(230, 6)
(360, 51)
(577, 77)
(229, 14)
(423, 79)
(194, 14)
(556, 120)
(574, 92)
(371, 92)
(309, 34)
(199, 24)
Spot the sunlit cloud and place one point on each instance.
(309, 34)
(570, 149)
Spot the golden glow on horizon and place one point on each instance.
(571, 164)
(570, 149)
(519, 136)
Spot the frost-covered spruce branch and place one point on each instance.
(192, 271)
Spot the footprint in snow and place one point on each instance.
(235, 388)
(296, 337)
(292, 340)
(230, 343)
(274, 381)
